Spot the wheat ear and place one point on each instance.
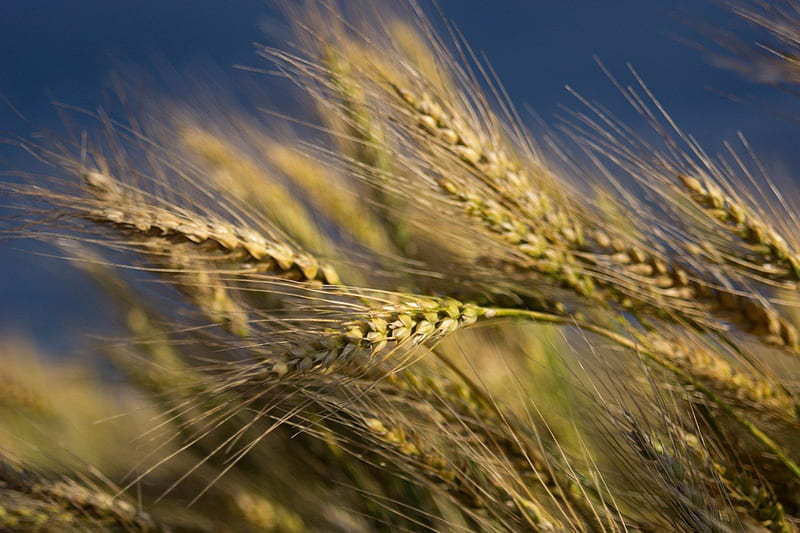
(30, 502)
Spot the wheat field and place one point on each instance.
(401, 309)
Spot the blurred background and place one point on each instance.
(65, 51)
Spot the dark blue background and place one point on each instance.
(64, 50)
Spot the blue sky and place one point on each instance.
(64, 50)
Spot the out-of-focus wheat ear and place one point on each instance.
(267, 515)
(385, 496)
(17, 395)
(726, 388)
(413, 45)
(188, 401)
(771, 58)
(748, 392)
(659, 351)
(201, 282)
(746, 490)
(154, 364)
(721, 390)
(460, 402)
(235, 172)
(458, 477)
(165, 369)
(685, 499)
(331, 195)
(363, 143)
(163, 373)
(195, 418)
(32, 503)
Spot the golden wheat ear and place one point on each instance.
(772, 57)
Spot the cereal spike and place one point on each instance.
(242, 246)
(376, 335)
